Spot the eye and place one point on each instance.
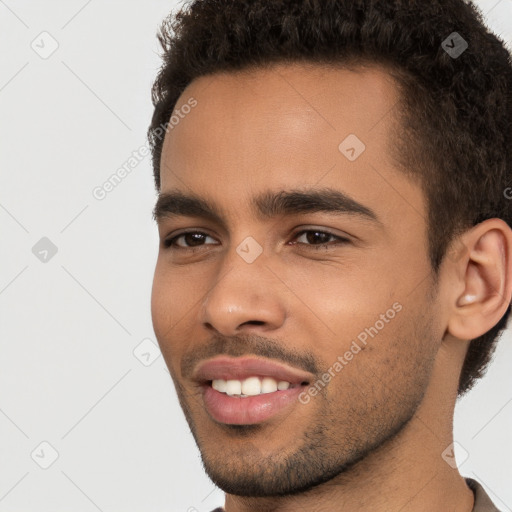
(310, 236)
(191, 239)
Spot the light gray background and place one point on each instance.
(69, 326)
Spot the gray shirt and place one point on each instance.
(482, 501)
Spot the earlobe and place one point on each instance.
(487, 280)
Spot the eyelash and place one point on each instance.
(171, 245)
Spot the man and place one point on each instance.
(335, 264)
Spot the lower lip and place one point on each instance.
(234, 410)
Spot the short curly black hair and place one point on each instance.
(455, 110)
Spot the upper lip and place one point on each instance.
(225, 367)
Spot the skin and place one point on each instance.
(373, 438)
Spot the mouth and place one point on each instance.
(249, 390)
(252, 386)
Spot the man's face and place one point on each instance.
(353, 319)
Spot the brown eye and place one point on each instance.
(319, 239)
(190, 240)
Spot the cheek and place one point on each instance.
(163, 302)
(392, 366)
(165, 298)
(348, 301)
(158, 300)
(174, 302)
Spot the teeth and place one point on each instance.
(233, 387)
(219, 385)
(251, 386)
(268, 385)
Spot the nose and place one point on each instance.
(244, 296)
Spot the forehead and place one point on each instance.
(287, 126)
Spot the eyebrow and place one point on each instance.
(266, 205)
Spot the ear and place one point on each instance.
(484, 273)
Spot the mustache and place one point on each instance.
(245, 345)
